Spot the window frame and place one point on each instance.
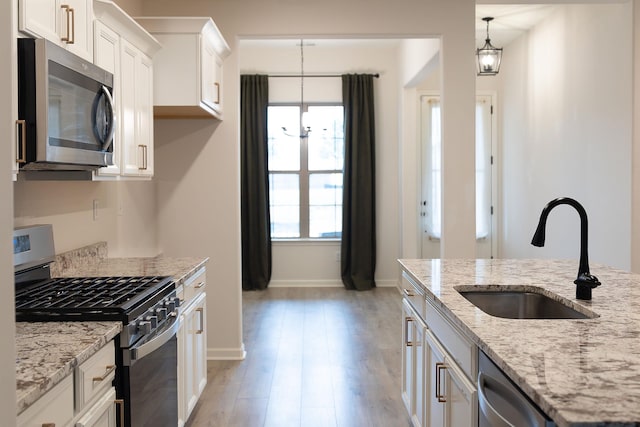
(304, 174)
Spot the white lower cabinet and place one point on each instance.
(85, 398)
(438, 366)
(192, 346)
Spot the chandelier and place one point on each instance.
(488, 56)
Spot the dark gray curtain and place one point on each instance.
(256, 223)
(358, 251)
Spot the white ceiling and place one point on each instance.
(510, 21)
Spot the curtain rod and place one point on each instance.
(312, 75)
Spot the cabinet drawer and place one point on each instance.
(194, 286)
(95, 375)
(462, 350)
(414, 294)
(55, 407)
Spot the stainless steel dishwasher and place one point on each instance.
(502, 403)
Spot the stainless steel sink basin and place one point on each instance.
(520, 304)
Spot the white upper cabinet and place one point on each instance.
(68, 23)
(188, 68)
(126, 49)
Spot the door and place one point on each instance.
(431, 176)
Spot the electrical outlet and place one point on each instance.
(96, 205)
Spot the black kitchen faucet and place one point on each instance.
(585, 281)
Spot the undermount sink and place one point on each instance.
(522, 304)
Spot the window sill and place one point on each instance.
(305, 242)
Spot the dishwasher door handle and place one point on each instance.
(512, 397)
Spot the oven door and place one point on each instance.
(150, 378)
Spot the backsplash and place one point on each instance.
(78, 257)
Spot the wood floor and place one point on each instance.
(315, 357)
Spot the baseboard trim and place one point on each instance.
(226, 353)
(323, 283)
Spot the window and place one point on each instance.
(306, 157)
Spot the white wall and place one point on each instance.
(212, 180)
(126, 214)
(312, 263)
(567, 123)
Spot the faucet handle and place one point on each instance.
(585, 283)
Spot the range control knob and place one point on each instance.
(153, 320)
(144, 327)
(161, 313)
(176, 301)
(169, 305)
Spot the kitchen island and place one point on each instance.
(579, 372)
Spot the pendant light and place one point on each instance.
(488, 56)
(304, 128)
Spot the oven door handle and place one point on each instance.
(137, 353)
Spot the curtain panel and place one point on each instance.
(358, 247)
(255, 218)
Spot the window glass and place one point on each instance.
(284, 202)
(283, 127)
(306, 157)
(325, 205)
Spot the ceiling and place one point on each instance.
(510, 21)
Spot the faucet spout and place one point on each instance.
(585, 281)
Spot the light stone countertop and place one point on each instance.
(47, 352)
(579, 372)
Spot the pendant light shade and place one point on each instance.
(488, 56)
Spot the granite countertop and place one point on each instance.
(579, 372)
(179, 268)
(47, 352)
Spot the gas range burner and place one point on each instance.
(90, 298)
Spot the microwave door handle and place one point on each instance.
(108, 140)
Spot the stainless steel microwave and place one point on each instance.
(65, 109)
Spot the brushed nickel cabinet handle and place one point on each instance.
(201, 311)
(144, 157)
(200, 285)
(408, 292)
(217, 101)
(406, 331)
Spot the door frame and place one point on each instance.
(495, 170)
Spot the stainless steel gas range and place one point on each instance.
(146, 356)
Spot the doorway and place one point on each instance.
(431, 175)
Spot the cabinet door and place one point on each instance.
(435, 393)
(418, 414)
(407, 355)
(68, 23)
(136, 111)
(55, 407)
(144, 113)
(76, 27)
(211, 76)
(107, 55)
(102, 414)
(462, 400)
(196, 347)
